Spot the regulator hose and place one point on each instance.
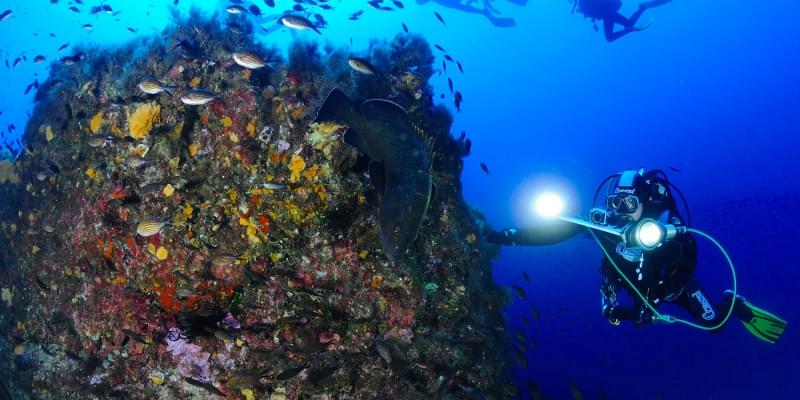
(668, 318)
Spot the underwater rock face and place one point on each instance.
(226, 247)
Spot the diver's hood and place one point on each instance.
(628, 181)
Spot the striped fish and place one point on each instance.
(248, 60)
(152, 86)
(150, 227)
(225, 260)
(198, 97)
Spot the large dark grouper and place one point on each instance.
(401, 163)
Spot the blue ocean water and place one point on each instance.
(708, 93)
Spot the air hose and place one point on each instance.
(668, 318)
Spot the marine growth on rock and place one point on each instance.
(266, 276)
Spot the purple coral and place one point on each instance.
(192, 360)
(231, 323)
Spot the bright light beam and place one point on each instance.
(549, 205)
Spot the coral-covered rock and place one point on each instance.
(268, 279)
(8, 172)
(142, 119)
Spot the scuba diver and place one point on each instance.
(608, 12)
(654, 275)
(487, 10)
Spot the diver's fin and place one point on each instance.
(384, 110)
(645, 25)
(336, 107)
(377, 176)
(764, 324)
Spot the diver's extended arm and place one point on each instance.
(542, 235)
(616, 313)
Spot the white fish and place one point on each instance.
(272, 186)
(297, 22)
(236, 9)
(361, 65)
(136, 161)
(198, 97)
(248, 60)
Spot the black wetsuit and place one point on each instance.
(667, 274)
(608, 12)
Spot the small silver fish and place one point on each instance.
(39, 59)
(137, 162)
(224, 261)
(150, 227)
(88, 27)
(152, 86)
(198, 97)
(248, 60)
(297, 22)
(361, 65)
(49, 171)
(183, 293)
(100, 140)
(236, 9)
(272, 186)
(5, 15)
(43, 174)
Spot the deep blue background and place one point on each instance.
(712, 89)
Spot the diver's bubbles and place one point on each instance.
(531, 189)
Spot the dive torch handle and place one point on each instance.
(587, 224)
(672, 231)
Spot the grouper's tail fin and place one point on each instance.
(336, 107)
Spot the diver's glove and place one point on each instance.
(646, 316)
(608, 309)
(504, 237)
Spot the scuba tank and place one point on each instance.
(597, 9)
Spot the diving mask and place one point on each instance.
(622, 203)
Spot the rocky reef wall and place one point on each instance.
(157, 249)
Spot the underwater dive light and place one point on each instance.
(648, 233)
(550, 205)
